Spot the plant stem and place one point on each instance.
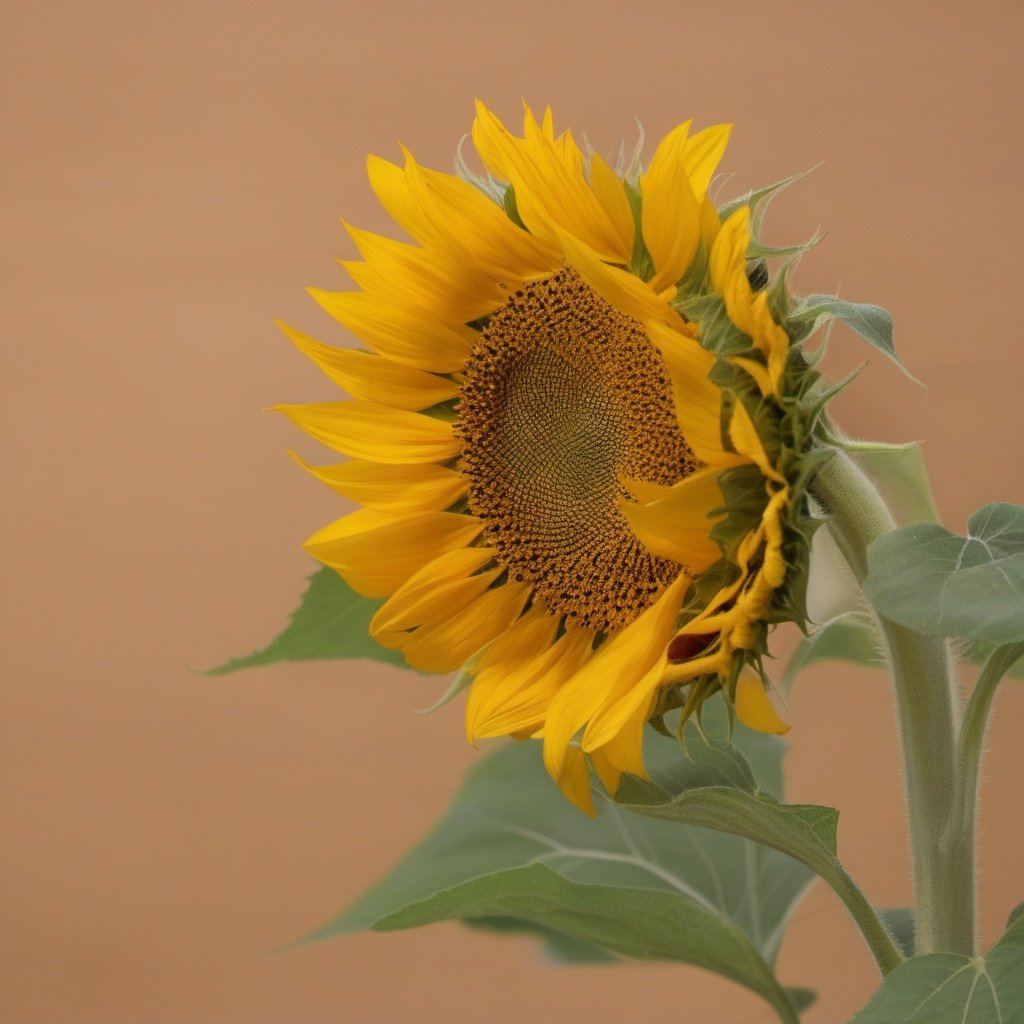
(924, 685)
(970, 748)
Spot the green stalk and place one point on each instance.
(970, 748)
(924, 685)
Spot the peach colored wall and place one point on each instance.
(172, 179)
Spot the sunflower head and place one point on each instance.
(579, 431)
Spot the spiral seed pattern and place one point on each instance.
(564, 399)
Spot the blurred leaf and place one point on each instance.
(511, 849)
(940, 584)
(900, 473)
(801, 998)
(333, 621)
(946, 988)
(560, 949)
(848, 637)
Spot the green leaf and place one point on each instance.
(333, 621)
(686, 791)
(620, 885)
(939, 584)
(872, 323)
(801, 998)
(1015, 915)
(947, 988)
(900, 472)
(560, 949)
(849, 636)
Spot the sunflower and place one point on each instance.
(573, 438)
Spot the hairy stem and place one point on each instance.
(924, 685)
(970, 747)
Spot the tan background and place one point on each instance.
(172, 178)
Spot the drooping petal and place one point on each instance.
(514, 697)
(448, 644)
(675, 522)
(443, 587)
(625, 661)
(754, 709)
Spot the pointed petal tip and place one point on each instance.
(754, 708)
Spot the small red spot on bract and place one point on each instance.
(683, 648)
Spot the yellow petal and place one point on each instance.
(391, 488)
(611, 194)
(410, 336)
(466, 224)
(626, 293)
(550, 188)
(747, 441)
(376, 552)
(507, 699)
(443, 587)
(375, 432)
(748, 310)
(430, 279)
(574, 781)
(534, 630)
(626, 660)
(675, 522)
(753, 708)
(670, 215)
(447, 645)
(710, 223)
(702, 154)
(619, 732)
(698, 399)
(374, 378)
(609, 775)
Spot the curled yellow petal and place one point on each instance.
(754, 709)
(675, 522)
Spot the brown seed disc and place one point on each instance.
(565, 397)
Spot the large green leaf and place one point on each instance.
(333, 621)
(940, 584)
(707, 788)
(511, 853)
(946, 988)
